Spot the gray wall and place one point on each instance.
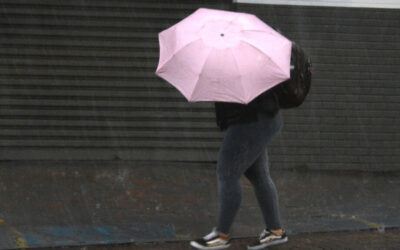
(351, 118)
(77, 83)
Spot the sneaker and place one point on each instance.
(213, 240)
(266, 239)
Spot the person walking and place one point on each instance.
(229, 58)
(249, 129)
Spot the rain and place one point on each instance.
(97, 149)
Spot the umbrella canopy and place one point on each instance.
(217, 55)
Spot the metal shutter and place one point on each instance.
(77, 82)
(351, 118)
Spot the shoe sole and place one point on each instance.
(277, 242)
(198, 246)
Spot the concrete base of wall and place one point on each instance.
(84, 203)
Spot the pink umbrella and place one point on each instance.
(217, 55)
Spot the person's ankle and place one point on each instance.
(278, 232)
(223, 236)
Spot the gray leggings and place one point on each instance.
(244, 151)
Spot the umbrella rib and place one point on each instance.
(240, 74)
(176, 51)
(201, 70)
(249, 43)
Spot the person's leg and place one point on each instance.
(241, 147)
(265, 191)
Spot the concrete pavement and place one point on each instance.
(352, 240)
(45, 204)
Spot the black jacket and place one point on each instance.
(228, 113)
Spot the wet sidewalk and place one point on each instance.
(354, 240)
(92, 203)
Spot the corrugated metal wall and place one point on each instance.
(351, 118)
(77, 82)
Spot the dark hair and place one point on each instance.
(302, 64)
(292, 92)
